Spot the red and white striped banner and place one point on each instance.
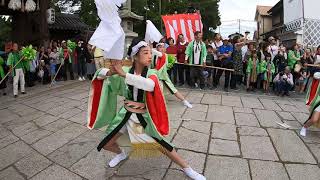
(186, 24)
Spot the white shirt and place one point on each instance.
(196, 52)
(273, 50)
(216, 45)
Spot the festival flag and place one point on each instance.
(186, 24)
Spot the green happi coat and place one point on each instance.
(251, 71)
(163, 72)
(264, 67)
(13, 59)
(190, 52)
(108, 116)
(61, 55)
(291, 58)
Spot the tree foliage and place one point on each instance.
(150, 9)
(5, 30)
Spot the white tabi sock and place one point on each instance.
(303, 131)
(117, 159)
(187, 104)
(193, 174)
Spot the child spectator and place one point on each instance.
(209, 62)
(267, 70)
(302, 80)
(54, 58)
(252, 71)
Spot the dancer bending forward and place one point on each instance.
(313, 100)
(160, 62)
(143, 117)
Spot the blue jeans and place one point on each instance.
(282, 87)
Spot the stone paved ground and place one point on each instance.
(225, 136)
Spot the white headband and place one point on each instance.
(135, 49)
(160, 44)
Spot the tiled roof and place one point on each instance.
(263, 10)
(68, 22)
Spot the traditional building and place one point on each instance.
(69, 26)
(264, 21)
(28, 27)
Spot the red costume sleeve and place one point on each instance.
(313, 91)
(94, 100)
(157, 108)
(161, 61)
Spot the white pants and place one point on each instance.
(18, 76)
(99, 62)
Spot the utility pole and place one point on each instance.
(239, 26)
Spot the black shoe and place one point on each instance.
(15, 96)
(226, 89)
(4, 94)
(24, 93)
(181, 84)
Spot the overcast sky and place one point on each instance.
(231, 10)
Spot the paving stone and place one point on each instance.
(224, 147)
(289, 108)
(71, 112)
(200, 107)
(224, 131)
(194, 97)
(252, 131)
(267, 118)
(4, 132)
(191, 140)
(231, 101)
(93, 165)
(10, 174)
(7, 116)
(312, 137)
(254, 147)
(27, 111)
(315, 149)
(227, 168)
(243, 119)
(286, 116)
(24, 129)
(35, 136)
(211, 99)
(46, 119)
(56, 172)
(198, 126)
(301, 117)
(57, 125)
(250, 102)
(194, 115)
(58, 110)
(266, 170)
(76, 149)
(23, 120)
(13, 152)
(290, 147)
(32, 164)
(270, 104)
(80, 118)
(147, 168)
(8, 140)
(175, 174)
(242, 110)
(293, 124)
(303, 171)
(223, 114)
(59, 138)
(195, 160)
